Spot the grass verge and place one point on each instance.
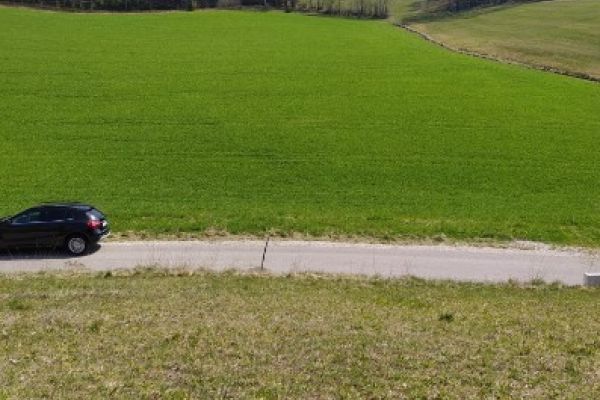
(183, 334)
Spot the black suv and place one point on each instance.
(72, 226)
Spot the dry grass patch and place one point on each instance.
(559, 34)
(157, 334)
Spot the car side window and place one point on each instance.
(75, 215)
(33, 215)
(53, 214)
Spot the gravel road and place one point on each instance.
(460, 263)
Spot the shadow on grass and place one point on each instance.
(419, 14)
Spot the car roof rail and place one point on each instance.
(76, 204)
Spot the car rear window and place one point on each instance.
(96, 214)
(74, 214)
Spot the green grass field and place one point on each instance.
(247, 122)
(563, 34)
(159, 335)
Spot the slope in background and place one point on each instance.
(562, 34)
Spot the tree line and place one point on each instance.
(357, 8)
(361, 8)
(142, 5)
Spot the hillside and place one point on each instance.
(245, 122)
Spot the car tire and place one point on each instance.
(76, 245)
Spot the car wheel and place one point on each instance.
(76, 245)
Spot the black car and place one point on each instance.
(72, 226)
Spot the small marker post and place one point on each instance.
(262, 263)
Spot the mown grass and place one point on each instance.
(155, 334)
(249, 122)
(562, 34)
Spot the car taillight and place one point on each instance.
(94, 224)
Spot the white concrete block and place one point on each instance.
(591, 279)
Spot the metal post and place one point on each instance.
(262, 263)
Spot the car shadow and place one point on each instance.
(42, 254)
